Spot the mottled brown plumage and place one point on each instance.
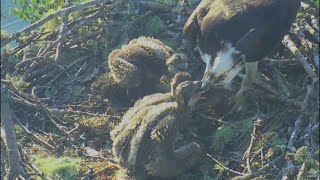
(143, 61)
(144, 142)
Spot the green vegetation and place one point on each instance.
(59, 168)
(37, 9)
(5, 35)
(303, 155)
(314, 3)
(18, 81)
(228, 136)
(97, 126)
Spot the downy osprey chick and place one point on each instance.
(143, 61)
(144, 142)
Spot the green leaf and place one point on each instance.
(27, 9)
(11, 11)
(18, 12)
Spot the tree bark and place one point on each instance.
(9, 138)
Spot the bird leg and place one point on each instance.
(240, 97)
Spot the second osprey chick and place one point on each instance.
(143, 61)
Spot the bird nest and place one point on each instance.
(51, 89)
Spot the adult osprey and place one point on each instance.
(232, 34)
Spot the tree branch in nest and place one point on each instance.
(8, 135)
(80, 60)
(63, 31)
(283, 99)
(302, 171)
(299, 56)
(314, 132)
(68, 33)
(83, 38)
(305, 113)
(304, 41)
(268, 168)
(311, 30)
(247, 154)
(36, 103)
(224, 167)
(33, 135)
(275, 96)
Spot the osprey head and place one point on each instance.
(228, 61)
(223, 68)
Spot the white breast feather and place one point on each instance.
(205, 57)
(224, 60)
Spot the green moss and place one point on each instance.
(59, 168)
(226, 134)
(97, 126)
(273, 151)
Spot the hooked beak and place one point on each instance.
(204, 86)
(197, 88)
(200, 88)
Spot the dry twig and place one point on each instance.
(63, 31)
(299, 56)
(224, 167)
(247, 154)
